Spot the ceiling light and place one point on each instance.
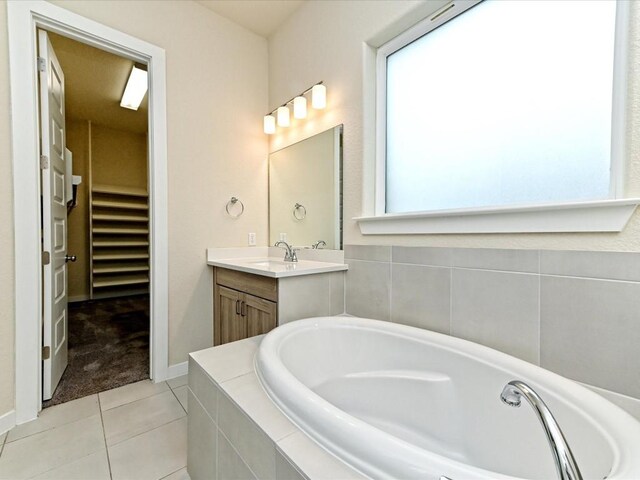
(135, 90)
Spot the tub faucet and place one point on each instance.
(566, 465)
(290, 254)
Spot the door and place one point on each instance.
(54, 217)
(260, 315)
(232, 325)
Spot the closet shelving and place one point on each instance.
(119, 221)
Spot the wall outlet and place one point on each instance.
(252, 239)
(283, 237)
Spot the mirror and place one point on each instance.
(305, 192)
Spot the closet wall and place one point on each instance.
(103, 156)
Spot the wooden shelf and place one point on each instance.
(120, 205)
(120, 256)
(120, 231)
(107, 217)
(119, 190)
(120, 269)
(120, 281)
(120, 243)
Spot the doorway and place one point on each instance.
(107, 224)
(23, 20)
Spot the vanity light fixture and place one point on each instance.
(282, 116)
(300, 107)
(135, 90)
(319, 96)
(269, 124)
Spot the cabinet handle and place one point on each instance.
(237, 307)
(243, 309)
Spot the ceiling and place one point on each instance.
(94, 82)
(260, 16)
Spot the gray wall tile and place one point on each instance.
(286, 471)
(230, 465)
(368, 288)
(201, 442)
(374, 253)
(497, 259)
(254, 446)
(590, 331)
(420, 296)
(203, 388)
(497, 309)
(435, 256)
(604, 265)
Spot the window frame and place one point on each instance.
(551, 217)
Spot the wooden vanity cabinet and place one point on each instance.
(244, 305)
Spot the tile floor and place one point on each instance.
(135, 432)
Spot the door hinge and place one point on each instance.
(46, 353)
(46, 258)
(44, 162)
(42, 64)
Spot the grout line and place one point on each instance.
(4, 441)
(451, 301)
(137, 399)
(539, 310)
(146, 431)
(167, 476)
(104, 436)
(233, 447)
(177, 399)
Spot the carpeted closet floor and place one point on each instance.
(108, 347)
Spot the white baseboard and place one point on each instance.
(7, 421)
(177, 370)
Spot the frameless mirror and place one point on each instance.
(305, 192)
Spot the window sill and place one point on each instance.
(595, 216)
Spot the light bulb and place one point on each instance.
(283, 117)
(299, 107)
(269, 124)
(319, 96)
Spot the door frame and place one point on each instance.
(24, 17)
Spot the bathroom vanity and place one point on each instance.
(255, 290)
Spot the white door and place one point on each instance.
(54, 217)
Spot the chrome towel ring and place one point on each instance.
(231, 203)
(299, 211)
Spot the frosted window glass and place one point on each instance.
(508, 103)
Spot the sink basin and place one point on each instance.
(269, 263)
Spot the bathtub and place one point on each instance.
(400, 402)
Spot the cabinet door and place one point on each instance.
(233, 326)
(260, 315)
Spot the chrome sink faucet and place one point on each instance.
(319, 244)
(290, 254)
(566, 465)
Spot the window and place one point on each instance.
(502, 104)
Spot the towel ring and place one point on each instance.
(296, 208)
(232, 202)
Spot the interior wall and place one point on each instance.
(326, 40)
(7, 291)
(216, 97)
(118, 157)
(78, 218)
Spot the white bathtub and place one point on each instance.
(400, 402)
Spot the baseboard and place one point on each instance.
(7, 421)
(177, 370)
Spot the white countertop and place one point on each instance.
(258, 262)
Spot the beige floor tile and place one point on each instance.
(178, 381)
(57, 415)
(181, 393)
(51, 449)
(130, 393)
(94, 467)
(181, 474)
(126, 421)
(151, 455)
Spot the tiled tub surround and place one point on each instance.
(236, 432)
(575, 313)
